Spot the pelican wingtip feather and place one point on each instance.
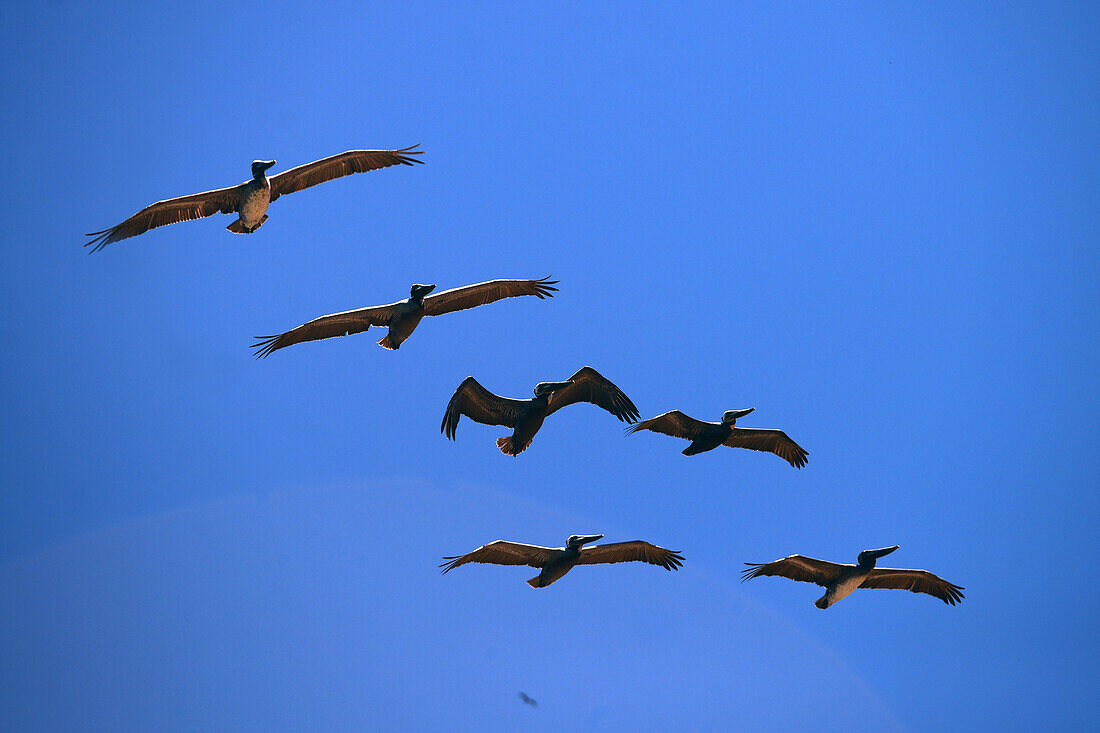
(265, 345)
(100, 240)
(403, 154)
(544, 287)
(754, 570)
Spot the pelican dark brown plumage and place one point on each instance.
(706, 436)
(249, 200)
(840, 580)
(526, 416)
(557, 561)
(402, 317)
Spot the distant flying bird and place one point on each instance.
(403, 316)
(250, 199)
(526, 416)
(529, 700)
(706, 436)
(840, 580)
(557, 561)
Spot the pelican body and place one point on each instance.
(706, 436)
(554, 562)
(407, 317)
(530, 416)
(255, 198)
(714, 435)
(527, 416)
(852, 577)
(563, 560)
(840, 580)
(403, 317)
(249, 200)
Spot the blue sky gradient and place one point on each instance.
(875, 224)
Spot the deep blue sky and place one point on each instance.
(875, 223)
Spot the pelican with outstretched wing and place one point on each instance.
(402, 317)
(840, 580)
(526, 416)
(706, 436)
(557, 561)
(249, 200)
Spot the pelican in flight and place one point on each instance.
(706, 436)
(557, 561)
(249, 200)
(840, 580)
(526, 416)
(402, 317)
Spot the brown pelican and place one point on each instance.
(706, 436)
(249, 200)
(528, 700)
(526, 416)
(557, 561)
(402, 317)
(840, 580)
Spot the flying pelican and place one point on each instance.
(840, 580)
(249, 200)
(526, 416)
(528, 700)
(402, 317)
(706, 436)
(557, 561)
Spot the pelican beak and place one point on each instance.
(268, 164)
(882, 552)
(587, 538)
(731, 416)
(547, 388)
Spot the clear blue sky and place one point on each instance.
(877, 224)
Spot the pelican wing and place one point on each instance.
(480, 405)
(170, 211)
(770, 441)
(674, 423)
(629, 552)
(503, 552)
(591, 386)
(918, 581)
(796, 567)
(337, 166)
(472, 296)
(337, 324)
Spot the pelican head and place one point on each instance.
(868, 557)
(576, 540)
(545, 389)
(729, 417)
(416, 292)
(259, 166)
